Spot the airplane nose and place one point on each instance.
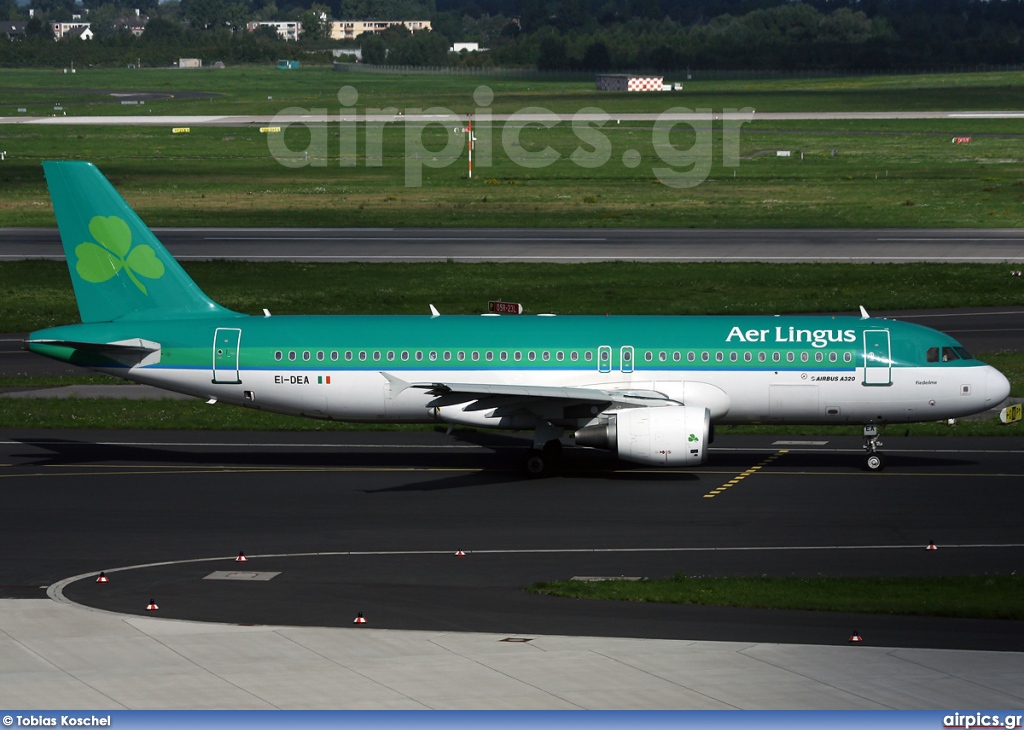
(997, 387)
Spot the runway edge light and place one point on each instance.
(102, 578)
(152, 605)
(359, 618)
(931, 546)
(855, 638)
(460, 554)
(241, 557)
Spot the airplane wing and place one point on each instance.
(491, 395)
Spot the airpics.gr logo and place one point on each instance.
(97, 264)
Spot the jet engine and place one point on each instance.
(659, 436)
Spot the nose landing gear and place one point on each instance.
(874, 461)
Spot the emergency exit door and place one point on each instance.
(226, 344)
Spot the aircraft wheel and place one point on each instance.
(874, 462)
(536, 464)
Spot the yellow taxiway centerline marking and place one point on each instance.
(744, 474)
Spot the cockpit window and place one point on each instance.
(933, 354)
(949, 354)
(962, 352)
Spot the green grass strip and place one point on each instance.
(989, 597)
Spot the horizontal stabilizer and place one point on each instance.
(128, 352)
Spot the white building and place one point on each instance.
(469, 47)
(290, 30)
(71, 30)
(349, 29)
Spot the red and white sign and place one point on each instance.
(961, 140)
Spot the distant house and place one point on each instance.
(71, 30)
(13, 30)
(289, 30)
(468, 47)
(348, 29)
(135, 24)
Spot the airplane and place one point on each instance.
(650, 389)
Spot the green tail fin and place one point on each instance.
(118, 267)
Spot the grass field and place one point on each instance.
(245, 90)
(983, 597)
(841, 173)
(37, 294)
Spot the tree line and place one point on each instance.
(593, 35)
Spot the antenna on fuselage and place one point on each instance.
(864, 313)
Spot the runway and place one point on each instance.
(370, 522)
(561, 245)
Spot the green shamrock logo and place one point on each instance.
(100, 263)
(693, 437)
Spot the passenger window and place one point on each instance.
(376, 354)
(690, 356)
(432, 355)
(804, 357)
(676, 357)
(391, 354)
(848, 357)
(574, 356)
(761, 357)
(291, 355)
(278, 355)
(776, 357)
(405, 355)
(790, 357)
(348, 355)
(733, 356)
(305, 355)
(334, 355)
(747, 357)
(461, 356)
(649, 356)
(503, 356)
(419, 355)
(489, 356)
(588, 356)
(320, 355)
(559, 356)
(362, 354)
(476, 356)
(517, 356)
(705, 357)
(545, 356)
(818, 357)
(531, 356)
(447, 355)
(832, 357)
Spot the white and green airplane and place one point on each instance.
(648, 388)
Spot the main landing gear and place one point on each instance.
(546, 451)
(874, 461)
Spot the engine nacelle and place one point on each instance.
(659, 436)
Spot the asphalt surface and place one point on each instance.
(371, 522)
(561, 245)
